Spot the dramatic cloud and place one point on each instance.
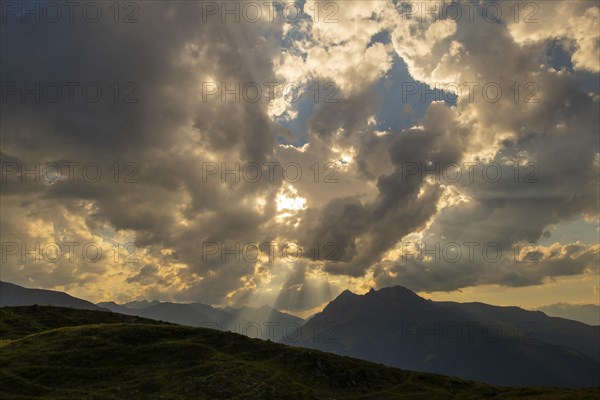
(281, 159)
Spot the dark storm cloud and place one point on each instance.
(398, 209)
(348, 115)
(444, 275)
(146, 275)
(164, 67)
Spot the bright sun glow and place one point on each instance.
(288, 200)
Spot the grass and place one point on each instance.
(142, 359)
(17, 322)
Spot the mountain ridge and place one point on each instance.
(396, 327)
(15, 295)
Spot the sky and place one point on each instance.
(245, 153)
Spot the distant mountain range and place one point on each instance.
(263, 323)
(394, 326)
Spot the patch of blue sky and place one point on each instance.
(299, 125)
(558, 57)
(400, 108)
(404, 100)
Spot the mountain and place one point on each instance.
(496, 345)
(138, 305)
(116, 308)
(264, 323)
(191, 314)
(534, 325)
(14, 295)
(109, 357)
(183, 314)
(586, 313)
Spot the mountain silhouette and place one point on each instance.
(263, 323)
(496, 345)
(14, 295)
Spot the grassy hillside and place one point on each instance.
(16, 322)
(148, 360)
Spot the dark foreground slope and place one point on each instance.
(154, 361)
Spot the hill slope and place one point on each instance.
(17, 322)
(586, 313)
(151, 361)
(14, 295)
